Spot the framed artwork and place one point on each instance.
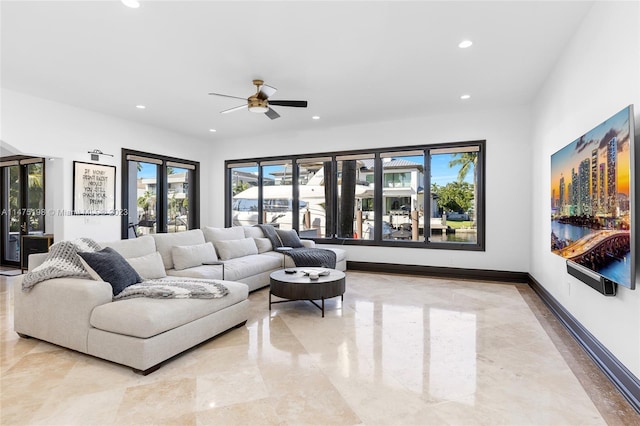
(94, 189)
(592, 200)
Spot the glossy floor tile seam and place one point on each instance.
(399, 350)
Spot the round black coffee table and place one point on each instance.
(298, 286)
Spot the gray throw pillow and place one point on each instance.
(112, 268)
(289, 238)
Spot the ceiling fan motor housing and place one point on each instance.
(257, 105)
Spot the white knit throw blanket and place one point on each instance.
(183, 288)
(62, 261)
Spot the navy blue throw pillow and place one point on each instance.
(112, 268)
(289, 238)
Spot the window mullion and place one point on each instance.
(377, 197)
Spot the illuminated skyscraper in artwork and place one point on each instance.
(562, 193)
(584, 200)
(602, 203)
(612, 155)
(575, 185)
(594, 181)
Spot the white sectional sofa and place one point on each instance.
(252, 269)
(80, 314)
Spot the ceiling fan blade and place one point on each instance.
(233, 109)
(272, 114)
(266, 91)
(299, 104)
(227, 96)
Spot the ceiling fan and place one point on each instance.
(259, 102)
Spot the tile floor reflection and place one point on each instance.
(399, 350)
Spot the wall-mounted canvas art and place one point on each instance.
(592, 200)
(94, 189)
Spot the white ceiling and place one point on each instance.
(353, 61)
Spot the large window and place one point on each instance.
(429, 196)
(160, 194)
(314, 197)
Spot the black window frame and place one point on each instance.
(161, 191)
(377, 153)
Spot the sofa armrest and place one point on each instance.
(58, 310)
(36, 260)
(308, 243)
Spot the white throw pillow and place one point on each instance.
(232, 249)
(149, 266)
(195, 255)
(263, 244)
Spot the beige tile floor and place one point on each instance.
(399, 350)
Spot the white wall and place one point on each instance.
(598, 75)
(507, 132)
(53, 130)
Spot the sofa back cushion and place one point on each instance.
(231, 249)
(189, 256)
(253, 232)
(213, 235)
(133, 247)
(165, 243)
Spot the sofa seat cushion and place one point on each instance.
(242, 267)
(341, 255)
(144, 317)
(211, 272)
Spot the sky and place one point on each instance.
(149, 170)
(571, 155)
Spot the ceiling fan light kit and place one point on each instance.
(257, 105)
(259, 102)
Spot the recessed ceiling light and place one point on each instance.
(134, 4)
(140, 106)
(464, 44)
(316, 117)
(212, 130)
(465, 97)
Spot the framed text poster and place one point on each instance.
(94, 189)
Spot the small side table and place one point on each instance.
(31, 244)
(217, 262)
(283, 250)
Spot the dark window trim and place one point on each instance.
(378, 179)
(162, 184)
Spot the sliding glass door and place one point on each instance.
(23, 209)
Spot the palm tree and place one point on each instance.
(466, 161)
